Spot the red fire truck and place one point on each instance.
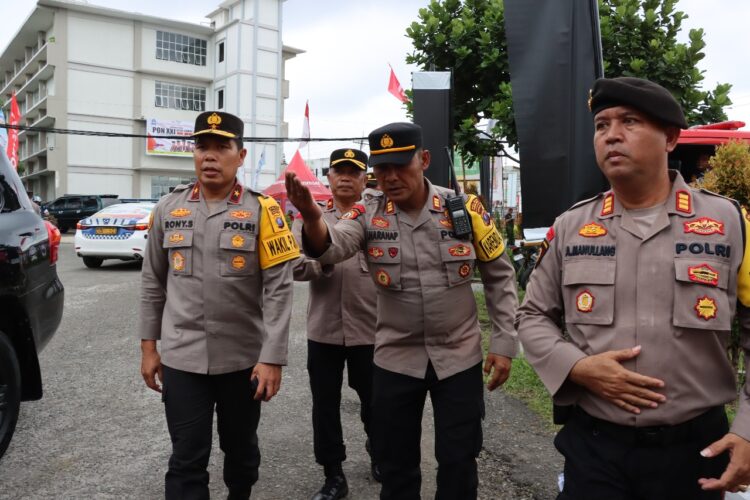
(699, 142)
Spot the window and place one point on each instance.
(180, 48)
(73, 204)
(220, 99)
(162, 184)
(89, 203)
(221, 52)
(177, 96)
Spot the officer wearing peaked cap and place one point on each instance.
(340, 327)
(647, 278)
(428, 338)
(216, 295)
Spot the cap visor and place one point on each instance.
(344, 161)
(398, 158)
(221, 133)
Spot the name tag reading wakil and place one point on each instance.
(281, 246)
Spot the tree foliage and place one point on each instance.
(639, 38)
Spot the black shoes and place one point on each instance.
(374, 469)
(335, 487)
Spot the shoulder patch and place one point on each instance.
(355, 212)
(277, 243)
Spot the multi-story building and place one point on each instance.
(77, 66)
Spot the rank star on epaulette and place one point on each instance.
(706, 308)
(236, 196)
(704, 226)
(195, 194)
(608, 205)
(683, 202)
(592, 230)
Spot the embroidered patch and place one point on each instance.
(704, 274)
(592, 230)
(176, 238)
(550, 234)
(238, 262)
(393, 251)
(195, 193)
(237, 241)
(329, 204)
(375, 252)
(460, 250)
(683, 202)
(706, 308)
(383, 278)
(464, 270)
(240, 214)
(390, 208)
(355, 212)
(178, 261)
(608, 205)
(436, 202)
(180, 212)
(446, 223)
(380, 222)
(585, 302)
(704, 226)
(236, 195)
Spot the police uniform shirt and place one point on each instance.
(341, 308)
(426, 307)
(216, 284)
(671, 289)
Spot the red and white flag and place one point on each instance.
(13, 119)
(305, 127)
(395, 88)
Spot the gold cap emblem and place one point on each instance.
(386, 141)
(214, 120)
(349, 153)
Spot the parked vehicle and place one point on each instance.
(698, 143)
(524, 257)
(117, 232)
(31, 297)
(71, 208)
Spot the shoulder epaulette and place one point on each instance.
(182, 187)
(706, 191)
(587, 201)
(370, 193)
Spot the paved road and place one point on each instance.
(100, 433)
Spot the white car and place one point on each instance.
(116, 232)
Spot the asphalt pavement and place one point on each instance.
(99, 432)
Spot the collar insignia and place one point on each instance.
(704, 226)
(683, 202)
(389, 208)
(608, 205)
(195, 194)
(236, 196)
(592, 230)
(329, 204)
(436, 202)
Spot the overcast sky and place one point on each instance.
(349, 43)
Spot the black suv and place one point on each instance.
(31, 297)
(71, 208)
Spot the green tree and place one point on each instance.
(639, 38)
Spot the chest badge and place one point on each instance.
(178, 261)
(240, 214)
(383, 278)
(176, 238)
(380, 222)
(592, 230)
(237, 241)
(704, 226)
(460, 250)
(393, 251)
(375, 252)
(464, 270)
(446, 223)
(180, 212)
(585, 302)
(704, 274)
(706, 308)
(238, 262)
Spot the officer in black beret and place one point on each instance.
(340, 328)
(641, 282)
(428, 339)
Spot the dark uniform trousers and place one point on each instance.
(189, 400)
(325, 365)
(458, 405)
(606, 460)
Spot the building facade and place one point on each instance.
(80, 67)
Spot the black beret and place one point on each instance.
(394, 143)
(349, 155)
(218, 123)
(645, 96)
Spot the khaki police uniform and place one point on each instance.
(340, 330)
(673, 291)
(428, 337)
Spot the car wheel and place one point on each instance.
(10, 391)
(93, 262)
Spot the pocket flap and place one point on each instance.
(702, 272)
(178, 239)
(239, 242)
(594, 272)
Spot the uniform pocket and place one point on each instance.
(180, 246)
(458, 260)
(238, 255)
(700, 296)
(589, 291)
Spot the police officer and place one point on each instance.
(645, 278)
(428, 338)
(216, 293)
(340, 327)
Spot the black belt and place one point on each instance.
(657, 435)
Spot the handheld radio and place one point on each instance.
(457, 211)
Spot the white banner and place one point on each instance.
(169, 147)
